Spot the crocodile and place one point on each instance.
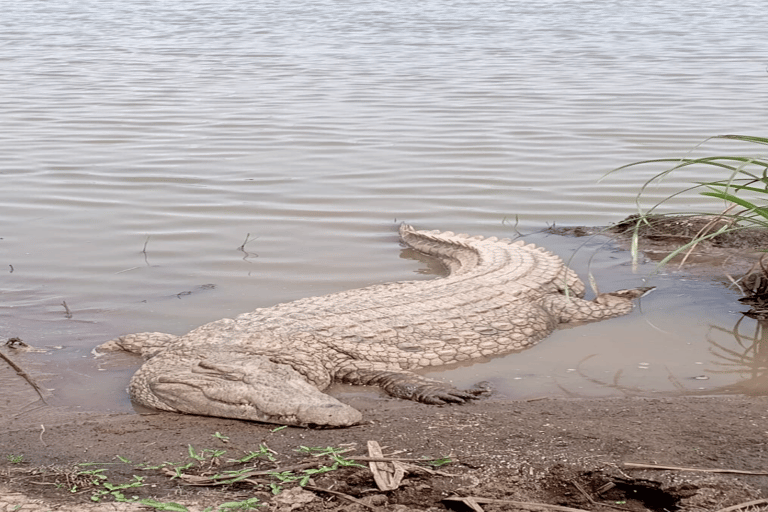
(273, 364)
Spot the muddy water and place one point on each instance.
(168, 164)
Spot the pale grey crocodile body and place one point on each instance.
(272, 364)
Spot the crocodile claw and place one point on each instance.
(449, 395)
(434, 392)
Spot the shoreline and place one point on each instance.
(525, 451)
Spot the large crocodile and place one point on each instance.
(272, 364)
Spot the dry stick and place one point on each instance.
(591, 500)
(705, 229)
(23, 410)
(26, 376)
(41, 435)
(385, 459)
(632, 465)
(340, 495)
(529, 504)
(744, 505)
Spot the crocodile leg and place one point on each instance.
(410, 386)
(567, 309)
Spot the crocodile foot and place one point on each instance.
(442, 394)
(410, 386)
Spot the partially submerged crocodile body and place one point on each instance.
(272, 364)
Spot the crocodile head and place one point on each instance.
(253, 388)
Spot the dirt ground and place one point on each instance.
(571, 453)
(491, 455)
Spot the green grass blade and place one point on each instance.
(690, 244)
(745, 138)
(739, 201)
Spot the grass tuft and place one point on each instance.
(739, 181)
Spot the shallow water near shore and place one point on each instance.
(647, 353)
(166, 165)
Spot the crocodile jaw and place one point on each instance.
(255, 389)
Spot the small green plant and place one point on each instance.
(221, 437)
(317, 451)
(206, 452)
(178, 468)
(302, 478)
(96, 476)
(284, 476)
(264, 451)
(145, 466)
(163, 506)
(116, 490)
(438, 462)
(334, 453)
(248, 504)
(231, 477)
(15, 459)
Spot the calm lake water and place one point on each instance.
(143, 142)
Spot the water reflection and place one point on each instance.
(746, 359)
(740, 360)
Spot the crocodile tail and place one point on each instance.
(446, 243)
(501, 260)
(455, 251)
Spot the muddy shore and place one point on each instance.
(560, 452)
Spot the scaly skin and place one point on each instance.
(272, 364)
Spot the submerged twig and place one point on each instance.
(67, 313)
(25, 375)
(247, 240)
(144, 250)
(242, 246)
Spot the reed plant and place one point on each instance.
(739, 181)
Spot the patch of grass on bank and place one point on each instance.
(740, 183)
(262, 471)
